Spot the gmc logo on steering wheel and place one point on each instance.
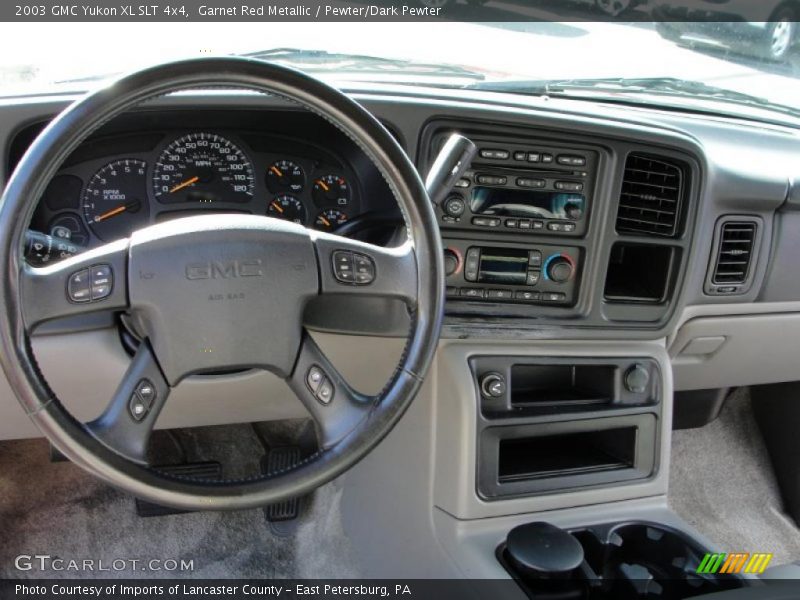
(224, 269)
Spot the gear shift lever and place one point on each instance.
(451, 162)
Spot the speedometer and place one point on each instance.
(203, 168)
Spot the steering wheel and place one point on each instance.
(198, 289)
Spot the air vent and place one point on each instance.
(735, 253)
(650, 201)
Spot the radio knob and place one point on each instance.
(454, 206)
(451, 262)
(560, 269)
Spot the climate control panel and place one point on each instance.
(537, 273)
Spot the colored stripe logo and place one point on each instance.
(736, 562)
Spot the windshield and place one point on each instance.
(638, 60)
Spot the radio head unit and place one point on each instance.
(523, 187)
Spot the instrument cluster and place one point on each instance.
(103, 199)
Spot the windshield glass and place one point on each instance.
(638, 59)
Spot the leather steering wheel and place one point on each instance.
(197, 289)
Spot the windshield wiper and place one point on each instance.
(661, 86)
(322, 60)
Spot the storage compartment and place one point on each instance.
(569, 454)
(628, 561)
(639, 273)
(538, 457)
(562, 384)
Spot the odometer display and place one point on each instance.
(203, 168)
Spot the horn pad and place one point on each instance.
(222, 292)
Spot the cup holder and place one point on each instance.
(627, 561)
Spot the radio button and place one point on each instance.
(472, 292)
(499, 294)
(494, 154)
(454, 206)
(527, 296)
(571, 160)
(547, 158)
(462, 183)
(492, 179)
(534, 157)
(520, 156)
(555, 226)
(569, 227)
(486, 221)
(569, 186)
(537, 224)
(530, 183)
(513, 223)
(524, 223)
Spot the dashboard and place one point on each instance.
(147, 170)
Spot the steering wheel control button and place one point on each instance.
(146, 391)
(137, 408)
(364, 268)
(325, 391)
(343, 266)
(78, 287)
(314, 378)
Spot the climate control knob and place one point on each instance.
(559, 268)
(454, 206)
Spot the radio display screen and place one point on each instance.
(531, 204)
(503, 265)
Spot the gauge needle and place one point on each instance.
(111, 213)
(277, 206)
(276, 170)
(183, 184)
(322, 185)
(324, 220)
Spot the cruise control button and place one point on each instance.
(325, 391)
(314, 377)
(146, 391)
(137, 408)
(78, 287)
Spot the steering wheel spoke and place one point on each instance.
(126, 424)
(89, 282)
(352, 267)
(335, 406)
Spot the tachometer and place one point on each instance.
(288, 208)
(203, 168)
(115, 200)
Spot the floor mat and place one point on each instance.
(722, 483)
(56, 509)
